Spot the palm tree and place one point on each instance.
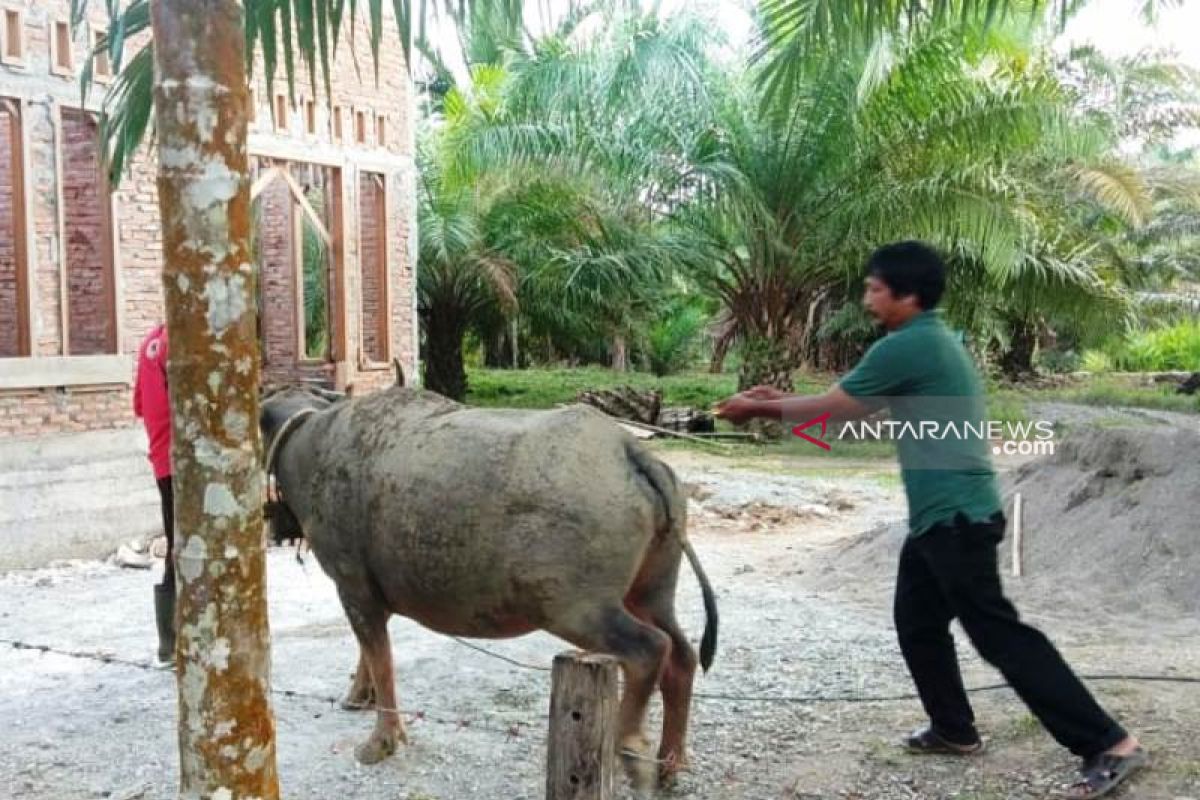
(791, 31)
(461, 273)
(571, 151)
(922, 138)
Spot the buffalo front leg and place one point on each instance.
(368, 619)
(361, 695)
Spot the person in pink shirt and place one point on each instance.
(151, 403)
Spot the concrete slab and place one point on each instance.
(75, 495)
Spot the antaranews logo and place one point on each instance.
(940, 433)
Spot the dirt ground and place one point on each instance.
(779, 716)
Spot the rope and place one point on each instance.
(513, 731)
(506, 659)
(281, 435)
(723, 697)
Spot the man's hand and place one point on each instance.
(749, 404)
(738, 409)
(766, 401)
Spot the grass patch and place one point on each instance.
(1188, 770)
(1110, 390)
(1022, 727)
(544, 388)
(886, 753)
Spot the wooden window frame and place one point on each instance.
(108, 233)
(365, 361)
(337, 268)
(19, 59)
(381, 130)
(281, 111)
(95, 35)
(20, 228)
(58, 24)
(309, 117)
(360, 126)
(336, 130)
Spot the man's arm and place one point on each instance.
(841, 406)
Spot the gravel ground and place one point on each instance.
(78, 728)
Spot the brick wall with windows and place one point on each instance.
(70, 216)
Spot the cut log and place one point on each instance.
(625, 402)
(683, 418)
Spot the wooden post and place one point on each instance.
(581, 757)
(1017, 544)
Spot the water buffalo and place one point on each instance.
(492, 523)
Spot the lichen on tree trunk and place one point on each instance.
(226, 724)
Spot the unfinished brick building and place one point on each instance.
(80, 263)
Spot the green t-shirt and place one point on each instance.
(938, 418)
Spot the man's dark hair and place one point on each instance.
(910, 268)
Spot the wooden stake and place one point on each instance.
(1017, 544)
(581, 757)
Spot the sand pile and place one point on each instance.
(1112, 519)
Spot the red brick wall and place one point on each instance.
(276, 283)
(37, 411)
(139, 245)
(9, 343)
(90, 313)
(371, 266)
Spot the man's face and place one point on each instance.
(887, 309)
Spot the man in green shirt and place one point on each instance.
(949, 566)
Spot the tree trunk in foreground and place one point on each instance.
(226, 724)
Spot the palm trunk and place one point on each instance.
(514, 340)
(716, 364)
(444, 372)
(766, 363)
(620, 354)
(226, 724)
(1017, 362)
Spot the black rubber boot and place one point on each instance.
(164, 615)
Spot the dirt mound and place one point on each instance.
(1113, 517)
(1112, 520)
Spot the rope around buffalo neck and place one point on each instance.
(286, 429)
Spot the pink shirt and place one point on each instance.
(151, 401)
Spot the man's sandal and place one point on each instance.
(1103, 773)
(928, 742)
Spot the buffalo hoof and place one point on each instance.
(669, 767)
(375, 749)
(383, 743)
(639, 766)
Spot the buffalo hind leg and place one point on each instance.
(361, 695)
(676, 683)
(368, 619)
(642, 651)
